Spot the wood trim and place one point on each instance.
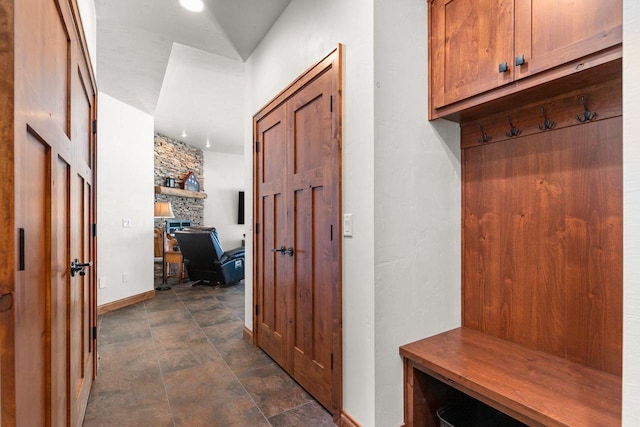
(347, 420)
(575, 74)
(247, 334)
(8, 224)
(179, 192)
(304, 78)
(84, 46)
(603, 99)
(121, 303)
(332, 62)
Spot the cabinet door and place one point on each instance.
(553, 32)
(469, 39)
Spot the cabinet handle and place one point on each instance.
(519, 60)
(503, 67)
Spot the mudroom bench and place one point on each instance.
(463, 365)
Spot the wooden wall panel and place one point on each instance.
(542, 242)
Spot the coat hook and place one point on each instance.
(587, 116)
(514, 131)
(485, 138)
(548, 124)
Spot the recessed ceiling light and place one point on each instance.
(184, 133)
(208, 144)
(192, 5)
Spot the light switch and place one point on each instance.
(347, 225)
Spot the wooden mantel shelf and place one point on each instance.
(180, 193)
(532, 386)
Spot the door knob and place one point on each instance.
(79, 267)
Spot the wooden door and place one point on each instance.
(48, 355)
(469, 40)
(554, 32)
(313, 174)
(298, 293)
(274, 274)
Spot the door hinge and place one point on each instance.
(332, 361)
(257, 309)
(94, 230)
(257, 228)
(331, 232)
(94, 127)
(94, 333)
(331, 104)
(256, 146)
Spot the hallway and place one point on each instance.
(179, 359)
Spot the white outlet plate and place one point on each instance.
(347, 225)
(125, 277)
(126, 222)
(102, 282)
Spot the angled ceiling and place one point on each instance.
(184, 68)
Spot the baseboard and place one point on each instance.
(347, 421)
(247, 335)
(114, 305)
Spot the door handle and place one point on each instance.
(284, 251)
(79, 267)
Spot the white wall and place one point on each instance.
(305, 33)
(223, 178)
(631, 168)
(417, 202)
(125, 190)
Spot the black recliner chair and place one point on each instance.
(205, 259)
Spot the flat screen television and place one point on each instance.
(240, 207)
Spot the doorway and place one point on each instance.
(297, 244)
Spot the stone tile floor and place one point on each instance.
(179, 359)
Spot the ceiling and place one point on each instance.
(184, 68)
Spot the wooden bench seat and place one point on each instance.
(531, 386)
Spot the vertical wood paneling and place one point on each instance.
(542, 242)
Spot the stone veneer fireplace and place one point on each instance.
(175, 159)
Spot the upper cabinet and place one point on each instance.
(482, 50)
(469, 41)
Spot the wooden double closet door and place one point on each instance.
(297, 293)
(48, 142)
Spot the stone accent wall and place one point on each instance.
(176, 159)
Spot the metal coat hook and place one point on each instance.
(514, 131)
(485, 138)
(548, 124)
(587, 116)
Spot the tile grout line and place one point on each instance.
(212, 343)
(157, 359)
(295, 407)
(220, 354)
